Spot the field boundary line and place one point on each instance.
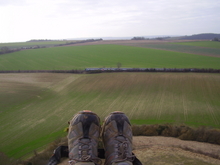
(116, 70)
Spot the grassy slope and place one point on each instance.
(81, 57)
(35, 108)
(22, 115)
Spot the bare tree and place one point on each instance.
(118, 65)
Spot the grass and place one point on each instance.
(81, 57)
(35, 108)
(200, 47)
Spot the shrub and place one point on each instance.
(186, 133)
(214, 136)
(183, 132)
(170, 131)
(150, 130)
(145, 130)
(136, 130)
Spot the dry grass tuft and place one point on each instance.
(146, 130)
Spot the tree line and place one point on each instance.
(197, 70)
(100, 70)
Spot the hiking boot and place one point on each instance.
(117, 139)
(83, 136)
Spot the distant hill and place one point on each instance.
(204, 36)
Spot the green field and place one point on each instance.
(35, 107)
(207, 44)
(81, 57)
(206, 48)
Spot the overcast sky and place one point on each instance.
(22, 20)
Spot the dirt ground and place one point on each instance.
(155, 150)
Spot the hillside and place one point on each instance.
(39, 106)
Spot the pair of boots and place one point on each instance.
(83, 138)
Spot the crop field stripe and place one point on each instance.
(92, 102)
(161, 100)
(212, 114)
(185, 109)
(147, 99)
(184, 100)
(106, 111)
(138, 108)
(210, 109)
(135, 107)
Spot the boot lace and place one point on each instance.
(122, 153)
(85, 153)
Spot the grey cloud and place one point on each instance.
(139, 10)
